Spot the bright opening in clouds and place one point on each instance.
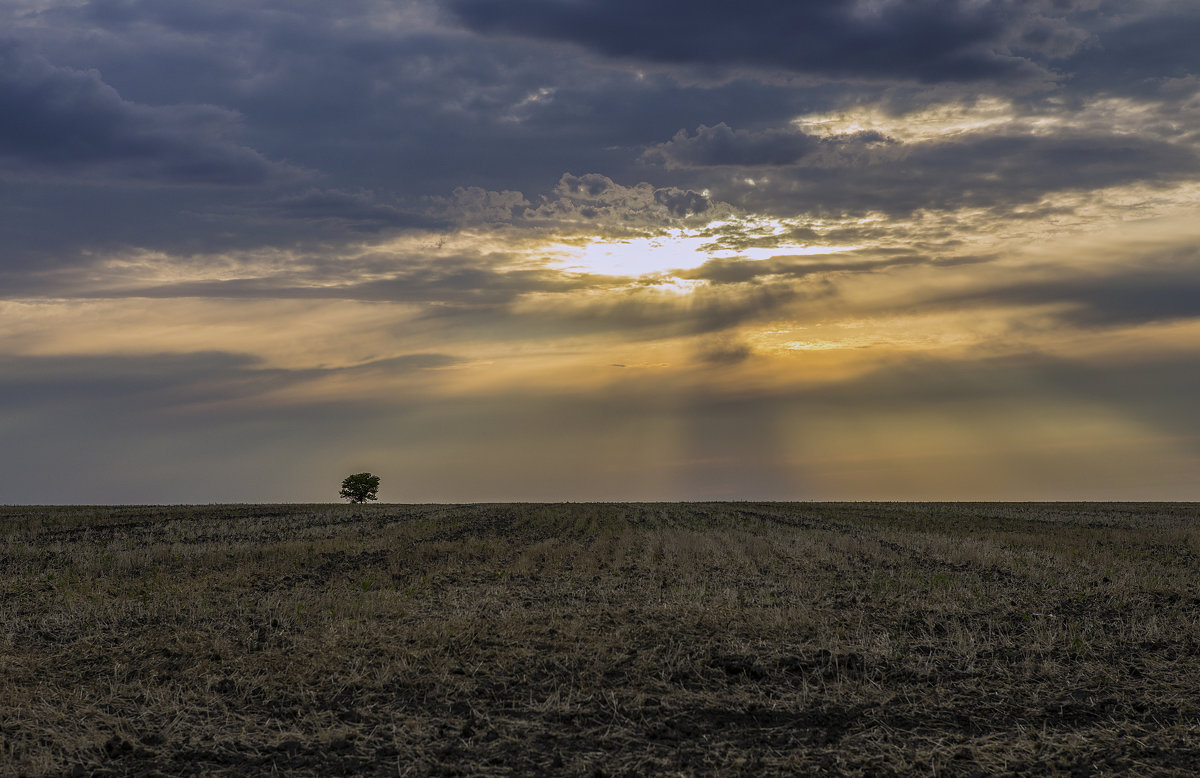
(599, 250)
(674, 250)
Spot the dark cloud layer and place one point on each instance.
(357, 210)
(1159, 287)
(384, 106)
(929, 40)
(974, 170)
(1140, 54)
(67, 122)
(723, 146)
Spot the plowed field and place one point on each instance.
(606, 639)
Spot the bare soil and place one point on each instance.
(601, 639)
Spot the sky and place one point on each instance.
(599, 250)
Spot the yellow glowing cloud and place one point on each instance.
(676, 249)
(938, 120)
(1120, 115)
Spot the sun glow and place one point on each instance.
(679, 249)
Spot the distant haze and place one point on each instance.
(599, 250)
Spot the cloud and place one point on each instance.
(722, 145)
(1147, 50)
(68, 122)
(928, 41)
(361, 211)
(594, 197)
(458, 282)
(724, 352)
(648, 312)
(1144, 288)
(414, 274)
(681, 203)
(737, 271)
(766, 150)
(986, 169)
(171, 381)
(590, 200)
(387, 108)
(408, 362)
(474, 204)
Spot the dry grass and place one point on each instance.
(733, 639)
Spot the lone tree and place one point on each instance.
(360, 487)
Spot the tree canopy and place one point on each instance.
(360, 487)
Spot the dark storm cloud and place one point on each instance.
(680, 202)
(925, 40)
(358, 210)
(1140, 54)
(978, 169)
(722, 145)
(383, 113)
(412, 108)
(69, 122)
(429, 104)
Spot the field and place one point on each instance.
(601, 639)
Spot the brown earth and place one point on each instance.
(614, 639)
